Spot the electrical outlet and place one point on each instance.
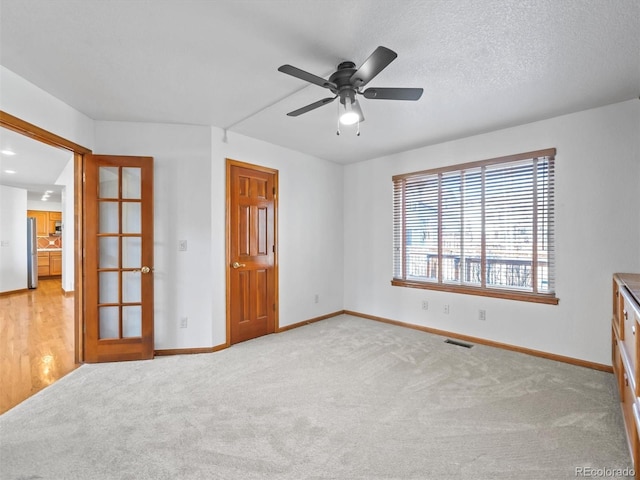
(316, 299)
(182, 245)
(482, 315)
(425, 305)
(184, 322)
(446, 309)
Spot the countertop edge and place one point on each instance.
(632, 282)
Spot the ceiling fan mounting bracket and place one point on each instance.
(345, 65)
(341, 78)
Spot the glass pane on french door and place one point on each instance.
(119, 256)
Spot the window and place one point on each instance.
(483, 228)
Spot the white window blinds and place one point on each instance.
(484, 227)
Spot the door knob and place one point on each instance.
(238, 265)
(144, 270)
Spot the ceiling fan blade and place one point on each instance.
(393, 93)
(312, 106)
(372, 66)
(356, 108)
(306, 76)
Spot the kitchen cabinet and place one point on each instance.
(49, 263)
(42, 222)
(45, 221)
(54, 217)
(43, 264)
(55, 263)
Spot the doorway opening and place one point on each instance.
(34, 132)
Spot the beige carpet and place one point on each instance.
(345, 398)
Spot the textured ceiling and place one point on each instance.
(484, 64)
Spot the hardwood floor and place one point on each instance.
(36, 341)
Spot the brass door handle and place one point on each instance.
(238, 265)
(144, 270)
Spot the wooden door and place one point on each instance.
(251, 251)
(118, 222)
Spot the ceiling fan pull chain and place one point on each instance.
(358, 134)
(338, 131)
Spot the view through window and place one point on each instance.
(483, 228)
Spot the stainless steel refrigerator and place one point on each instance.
(32, 253)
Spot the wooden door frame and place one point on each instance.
(23, 127)
(236, 163)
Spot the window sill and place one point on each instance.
(549, 299)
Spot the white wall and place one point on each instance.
(24, 100)
(190, 205)
(45, 206)
(597, 233)
(182, 211)
(310, 224)
(28, 102)
(67, 180)
(13, 239)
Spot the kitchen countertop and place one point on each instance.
(632, 282)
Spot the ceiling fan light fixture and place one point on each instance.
(349, 116)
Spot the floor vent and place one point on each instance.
(459, 344)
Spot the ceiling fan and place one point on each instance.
(347, 82)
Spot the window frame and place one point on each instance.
(488, 291)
